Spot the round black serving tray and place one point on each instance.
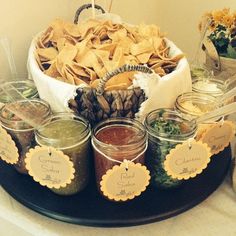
(89, 208)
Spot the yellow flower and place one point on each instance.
(226, 11)
(217, 16)
(234, 16)
(228, 20)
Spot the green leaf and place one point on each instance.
(231, 52)
(221, 42)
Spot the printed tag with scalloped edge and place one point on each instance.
(218, 136)
(121, 183)
(49, 167)
(187, 160)
(8, 150)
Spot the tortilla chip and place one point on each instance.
(47, 53)
(52, 71)
(85, 52)
(67, 55)
(58, 29)
(142, 47)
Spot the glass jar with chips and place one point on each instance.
(166, 128)
(19, 88)
(115, 140)
(71, 135)
(19, 128)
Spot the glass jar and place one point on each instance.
(21, 132)
(199, 71)
(119, 139)
(192, 105)
(230, 84)
(209, 86)
(71, 135)
(166, 128)
(26, 88)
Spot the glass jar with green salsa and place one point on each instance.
(166, 128)
(71, 135)
(20, 130)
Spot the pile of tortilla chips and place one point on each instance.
(84, 53)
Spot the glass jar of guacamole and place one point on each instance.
(22, 132)
(118, 139)
(25, 88)
(166, 128)
(71, 135)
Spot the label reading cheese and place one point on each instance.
(187, 160)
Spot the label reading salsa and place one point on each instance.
(122, 183)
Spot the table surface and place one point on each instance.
(215, 216)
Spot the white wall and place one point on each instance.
(20, 20)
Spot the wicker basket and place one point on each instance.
(97, 104)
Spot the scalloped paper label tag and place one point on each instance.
(121, 183)
(49, 167)
(187, 160)
(8, 150)
(218, 136)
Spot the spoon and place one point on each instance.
(217, 113)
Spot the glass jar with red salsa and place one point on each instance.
(115, 140)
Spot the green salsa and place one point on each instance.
(72, 137)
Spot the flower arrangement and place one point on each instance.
(221, 30)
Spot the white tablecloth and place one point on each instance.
(215, 216)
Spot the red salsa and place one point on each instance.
(118, 142)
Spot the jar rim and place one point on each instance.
(178, 116)
(27, 82)
(195, 97)
(220, 84)
(79, 137)
(141, 136)
(6, 121)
